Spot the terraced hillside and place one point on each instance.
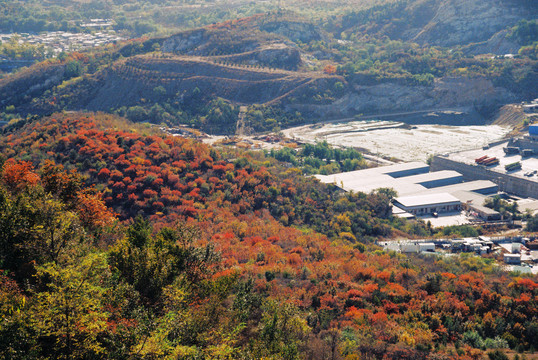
(131, 81)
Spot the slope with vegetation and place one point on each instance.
(230, 260)
(289, 70)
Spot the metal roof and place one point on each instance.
(436, 175)
(368, 173)
(476, 185)
(401, 187)
(429, 199)
(475, 201)
(466, 196)
(414, 165)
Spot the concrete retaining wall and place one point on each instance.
(510, 184)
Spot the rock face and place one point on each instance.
(279, 56)
(498, 44)
(253, 48)
(276, 55)
(185, 42)
(30, 83)
(446, 93)
(211, 42)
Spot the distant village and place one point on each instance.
(59, 41)
(56, 42)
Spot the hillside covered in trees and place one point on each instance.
(120, 242)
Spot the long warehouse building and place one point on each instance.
(419, 191)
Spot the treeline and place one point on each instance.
(171, 177)
(14, 50)
(320, 158)
(216, 116)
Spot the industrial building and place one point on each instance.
(406, 179)
(420, 192)
(428, 204)
(474, 203)
(513, 259)
(385, 176)
(482, 187)
(511, 164)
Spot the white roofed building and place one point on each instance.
(428, 204)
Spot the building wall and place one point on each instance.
(488, 191)
(510, 184)
(428, 209)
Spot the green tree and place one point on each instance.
(151, 262)
(68, 313)
(73, 68)
(282, 331)
(532, 224)
(497, 355)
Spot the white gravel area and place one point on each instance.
(393, 139)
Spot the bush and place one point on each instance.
(497, 343)
(497, 355)
(472, 338)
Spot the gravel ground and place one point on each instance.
(395, 139)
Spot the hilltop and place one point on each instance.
(283, 70)
(236, 62)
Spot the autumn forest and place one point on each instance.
(121, 242)
(157, 202)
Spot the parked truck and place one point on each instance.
(480, 159)
(513, 166)
(509, 150)
(526, 152)
(490, 161)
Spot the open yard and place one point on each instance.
(398, 140)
